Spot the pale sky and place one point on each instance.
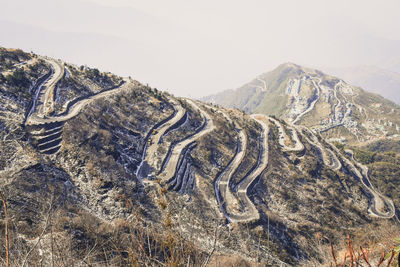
(196, 48)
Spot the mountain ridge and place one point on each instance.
(375, 79)
(126, 158)
(314, 99)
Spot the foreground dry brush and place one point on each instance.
(354, 256)
(83, 240)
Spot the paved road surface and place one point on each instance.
(152, 149)
(329, 158)
(170, 169)
(378, 200)
(34, 119)
(251, 213)
(298, 145)
(48, 95)
(222, 182)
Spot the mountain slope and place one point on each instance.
(374, 79)
(98, 168)
(311, 98)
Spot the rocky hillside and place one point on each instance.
(104, 171)
(374, 79)
(324, 103)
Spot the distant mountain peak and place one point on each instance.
(290, 65)
(111, 159)
(310, 97)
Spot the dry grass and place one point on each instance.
(371, 246)
(361, 257)
(5, 229)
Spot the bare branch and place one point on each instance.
(213, 249)
(41, 235)
(6, 228)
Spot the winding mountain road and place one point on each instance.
(170, 168)
(49, 137)
(336, 107)
(35, 119)
(222, 181)
(264, 87)
(51, 140)
(43, 102)
(48, 96)
(298, 145)
(49, 83)
(329, 158)
(379, 202)
(251, 213)
(226, 197)
(341, 111)
(151, 151)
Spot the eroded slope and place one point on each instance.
(227, 182)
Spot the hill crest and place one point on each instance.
(120, 166)
(325, 103)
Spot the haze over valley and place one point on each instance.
(198, 49)
(121, 143)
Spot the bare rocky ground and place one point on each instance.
(89, 195)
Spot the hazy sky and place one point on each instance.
(195, 48)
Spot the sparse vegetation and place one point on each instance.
(88, 204)
(354, 256)
(385, 145)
